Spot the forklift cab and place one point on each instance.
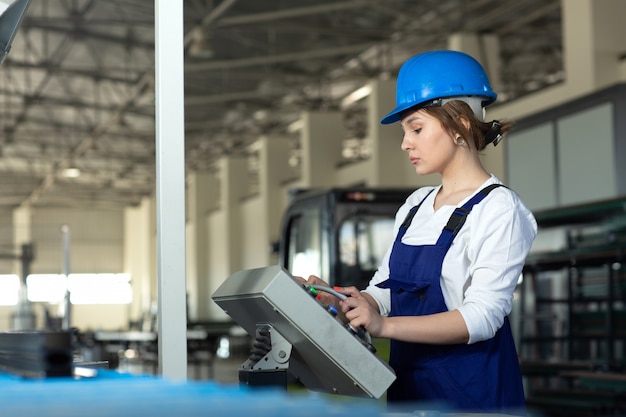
(339, 234)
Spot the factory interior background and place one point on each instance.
(288, 95)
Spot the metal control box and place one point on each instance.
(325, 355)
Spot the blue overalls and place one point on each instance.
(479, 377)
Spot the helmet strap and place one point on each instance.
(475, 103)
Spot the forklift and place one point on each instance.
(338, 234)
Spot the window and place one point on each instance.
(46, 287)
(363, 241)
(306, 245)
(100, 289)
(84, 288)
(9, 289)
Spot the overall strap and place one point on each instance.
(409, 217)
(459, 215)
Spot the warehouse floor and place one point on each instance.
(220, 370)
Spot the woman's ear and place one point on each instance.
(463, 123)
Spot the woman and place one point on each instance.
(445, 287)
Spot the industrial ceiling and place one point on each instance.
(77, 88)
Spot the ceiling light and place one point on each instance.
(200, 45)
(356, 95)
(71, 172)
(295, 126)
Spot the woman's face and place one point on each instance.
(430, 147)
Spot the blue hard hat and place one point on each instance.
(439, 74)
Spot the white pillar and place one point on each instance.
(170, 187)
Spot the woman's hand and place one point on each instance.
(315, 280)
(361, 311)
(323, 296)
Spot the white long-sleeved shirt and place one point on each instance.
(483, 265)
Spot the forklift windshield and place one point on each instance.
(339, 235)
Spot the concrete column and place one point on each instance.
(390, 166)
(273, 171)
(485, 48)
(202, 196)
(224, 229)
(622, 70)
(233, 185)
(321, 140)
(609, 34)
(593, 34)
(578, 42)
(384, 140)
(22, 233)
(140, 259)
(23, 316)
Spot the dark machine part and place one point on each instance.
(254, 375)
(36, 354)
(10, 21)
(261, 345)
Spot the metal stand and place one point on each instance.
(269, 359)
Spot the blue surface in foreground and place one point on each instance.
(114, 394)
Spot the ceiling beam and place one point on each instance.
(325, 8)
(278, 58)
(69, 27)
(96, 74)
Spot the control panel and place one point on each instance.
(325, 354)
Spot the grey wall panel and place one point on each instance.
(585, 148)
(531, 169)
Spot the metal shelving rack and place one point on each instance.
(573, 311)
